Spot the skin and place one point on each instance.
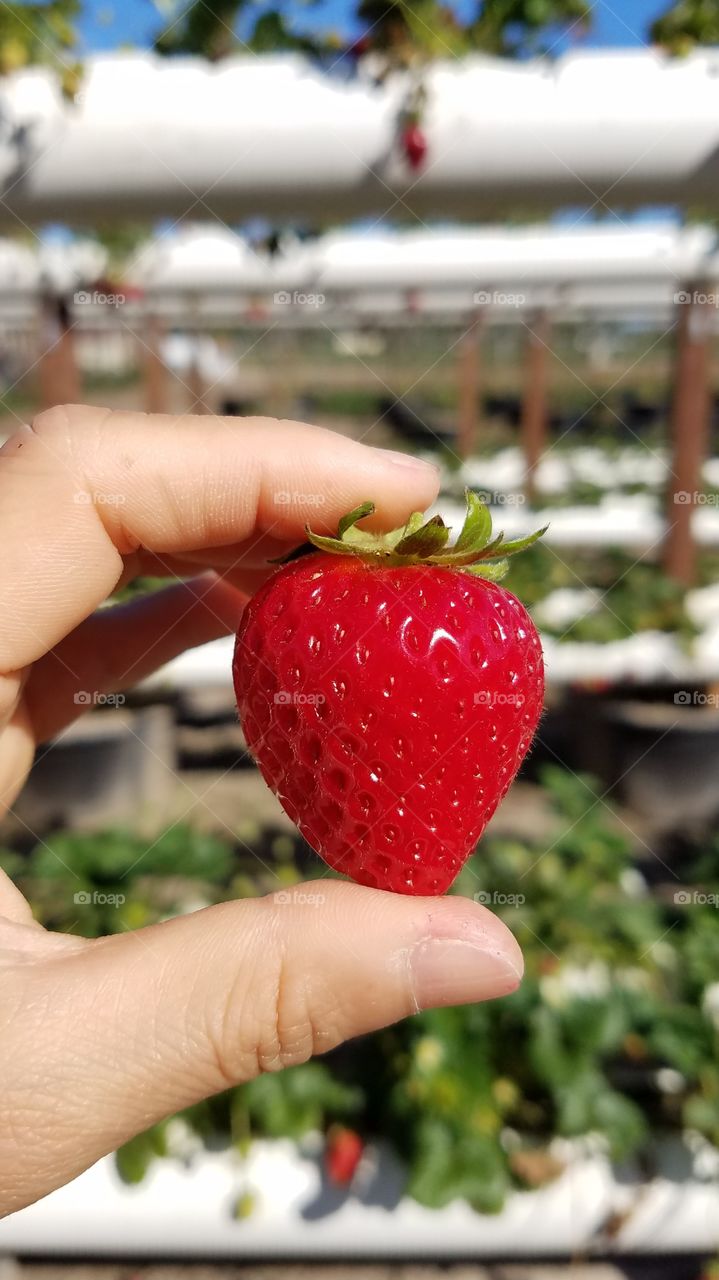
(102, 1038)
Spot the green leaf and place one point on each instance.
(491, 572)
(414, 523)
(360, 513)
(293, 1102)
(451, 1165)
(521, 544)
(477, 528)
(135, 1157)
(426, 541)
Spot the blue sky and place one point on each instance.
(109, 23)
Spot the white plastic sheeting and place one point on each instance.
(505, 258)
(606, 268)
(589, 267)
(28, 269)
(276, 135)
(187, 1211)
(209, 258)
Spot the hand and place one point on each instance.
(102, 1038)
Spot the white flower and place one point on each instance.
(429, 1053)
(575, 982)
(710, 1003)
(669, 1081)
(634, 979)
(632, 883)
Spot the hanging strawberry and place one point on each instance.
(415, 145)
(360, 47)
(413, 138)
(343, 1153)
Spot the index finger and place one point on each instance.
(84, 486)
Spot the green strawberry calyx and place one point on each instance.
(424, 541)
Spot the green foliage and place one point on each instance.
(109, 881)
(209, 27)
(140, 587)
(206, 28)
(645, 599)
(299, 1101)
(618, 983)
(41, 33)
(134, 1159)
(122, 241)
(450, 1166)
(404, 31)
(632, 596)
(516, 26)
(686, 24)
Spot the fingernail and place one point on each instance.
(447, 971)
(407, 460)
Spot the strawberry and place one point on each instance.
(343, 1153)
(389, 689)
(415, 145)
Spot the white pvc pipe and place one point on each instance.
(276, 136)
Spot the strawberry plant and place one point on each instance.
(614, 1031)
(631, 596)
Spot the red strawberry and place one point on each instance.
(415, 145)
(343, 1153)
(389, 690)
(360, 46)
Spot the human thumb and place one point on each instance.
(134, 1027)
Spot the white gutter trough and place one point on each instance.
(186, 1211)
(277, 136)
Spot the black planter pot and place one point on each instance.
(665, 761)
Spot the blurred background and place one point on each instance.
(484, 233)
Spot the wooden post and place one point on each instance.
(194, 381)
(690, 428)
(57, 371)
(196, 385)
(534, 406)
(154, 368)
(469, 387)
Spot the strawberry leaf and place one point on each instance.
(351, 519)
(477, 528)
(425, 542)
(521, 544)
(492, 571)
(421, 541)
